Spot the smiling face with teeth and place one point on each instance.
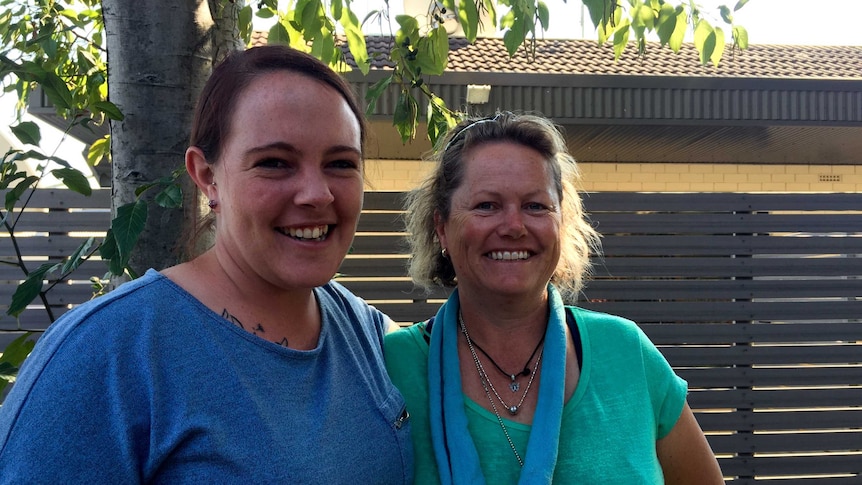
(288, 182)
(503, 230)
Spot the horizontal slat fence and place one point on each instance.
(753, 298)
(53, 225)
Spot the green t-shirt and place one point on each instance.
(627, 398)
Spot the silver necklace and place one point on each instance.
(483, 378)
(513, 409)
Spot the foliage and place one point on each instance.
(420, 46)
(57, 47)
(10, 360)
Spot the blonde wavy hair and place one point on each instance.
(578, 239)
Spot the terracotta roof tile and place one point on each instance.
(573, 56)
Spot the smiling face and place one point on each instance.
(288, 182)
(503, 230)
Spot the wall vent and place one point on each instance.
(830, 177)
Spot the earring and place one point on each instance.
(445, 253)
(212, 203)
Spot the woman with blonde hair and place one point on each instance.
(506, 383)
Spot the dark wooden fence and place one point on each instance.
(55, 223)
(753, 298)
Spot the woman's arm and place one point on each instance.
(685, 455)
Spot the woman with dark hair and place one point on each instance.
(506, 383)
(245, 363)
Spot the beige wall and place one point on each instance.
(663, 177)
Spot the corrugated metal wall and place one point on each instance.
(656, 100)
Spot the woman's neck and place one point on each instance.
(288, 317)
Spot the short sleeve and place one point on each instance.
(667, 390)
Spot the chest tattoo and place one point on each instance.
(257, 330)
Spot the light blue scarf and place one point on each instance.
(457, 458)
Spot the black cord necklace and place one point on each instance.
(514, 386)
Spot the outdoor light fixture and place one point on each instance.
(478, 93)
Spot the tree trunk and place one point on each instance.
(158, 60)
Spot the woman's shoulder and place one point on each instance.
(122, 310)
(412, 334)
(336, 297)
(593, 317)
(133, 294)
(406, 354)
(407, 344)
(601, 325)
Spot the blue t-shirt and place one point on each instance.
(146, 384)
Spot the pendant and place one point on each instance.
(514, 386)
(513, 410)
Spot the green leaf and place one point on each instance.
(57, 91)
(244, 22)
(278, 35)
(128, 226)
(514, 38)
(60, 161)
(666, 23)
(13, 356)
(621, 38)
(49, 46)
(643, 18)
(110, 109)
(408, 28)
(491, 10)
(29, 289)
(725, 14)
(438, 119)
(27, 132)
(309, 15)
(170, 197)
(678, 36)
(404, 118)
(264, 13)
(17, 351)
(468, 15)
(715, 57)
(9, 174)
(99, 150)
(598, 11)
(704, 40)
(432, 52)
(355, 40)
(739, 5)
(73, 179)
(740, 37)
(86, 60)
(337, 8)
(31, 155)
(374, 93)
(111, 254)
(79, 256)
(323, 48)
(544, 14)
(14, 195)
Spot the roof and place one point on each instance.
(574, 56)
(767, 104)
